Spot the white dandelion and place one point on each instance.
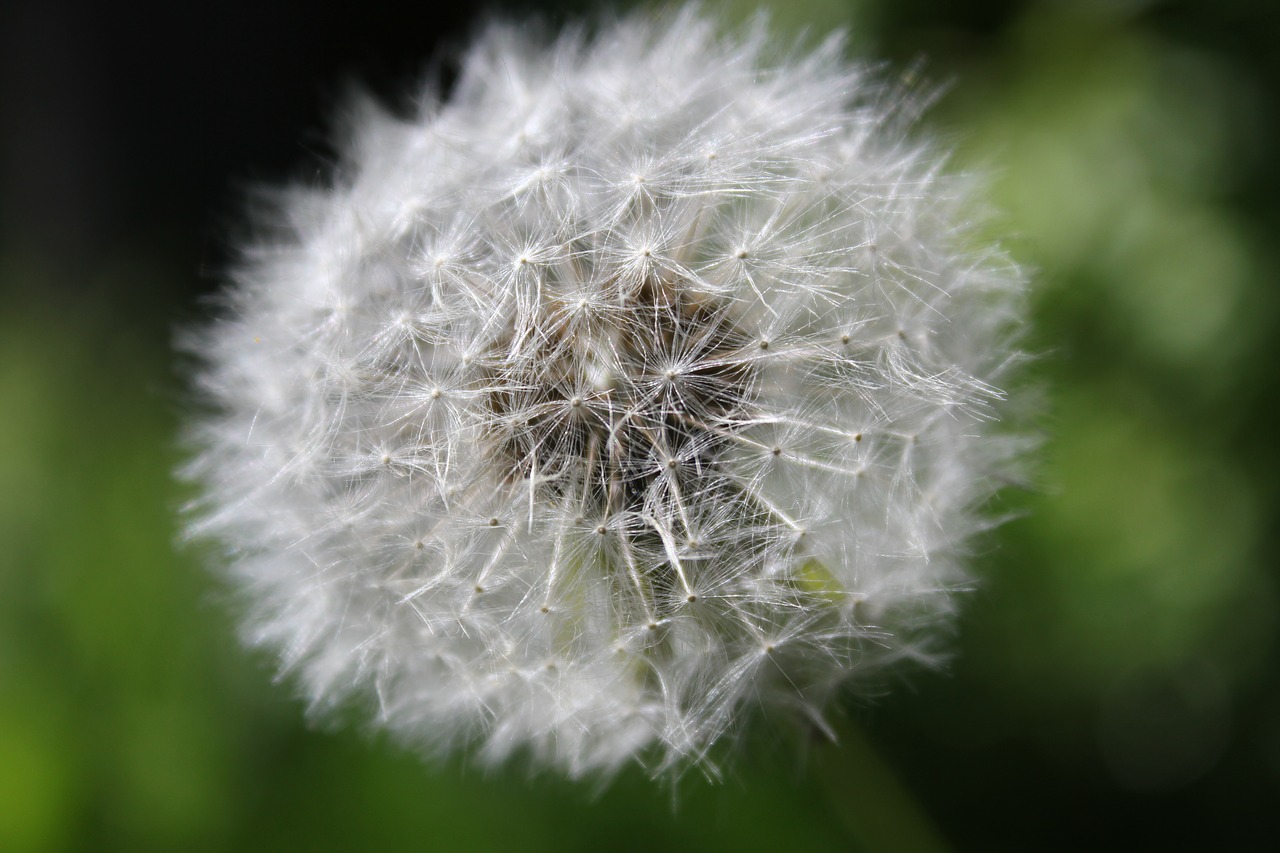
(646, 381)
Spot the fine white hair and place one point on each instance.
(648, 379)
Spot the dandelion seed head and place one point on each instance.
(647, 380)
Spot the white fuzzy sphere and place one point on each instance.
(647, 380)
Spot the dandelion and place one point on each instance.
(646, 381)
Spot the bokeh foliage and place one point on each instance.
(1115, 678)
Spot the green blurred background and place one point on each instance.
(1115, 683)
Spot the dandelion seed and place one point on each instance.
(679, 364)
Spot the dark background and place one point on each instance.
(1115, 683)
